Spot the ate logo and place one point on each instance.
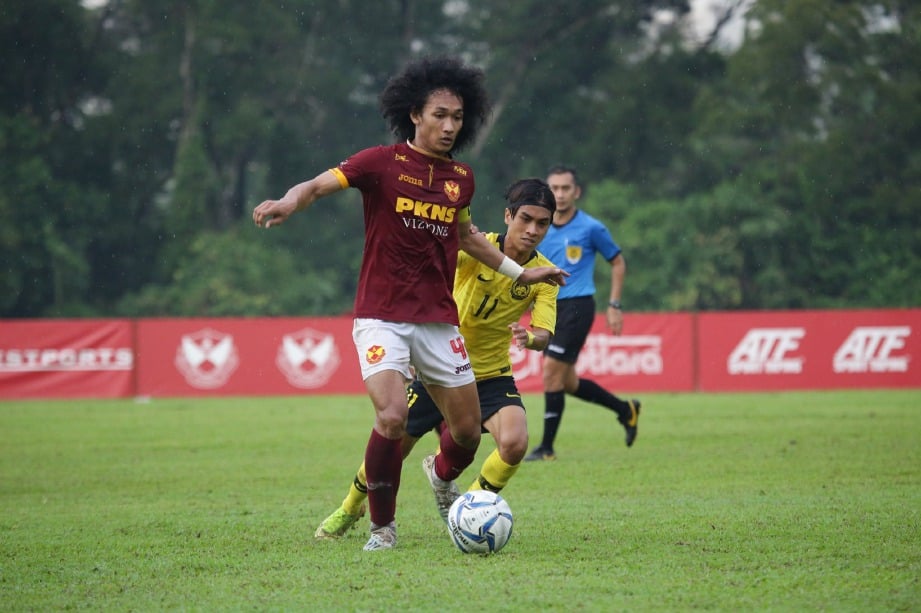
(765, 351)
(870, 348)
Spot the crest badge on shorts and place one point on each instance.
(374, 354)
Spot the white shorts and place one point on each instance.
(436, 351)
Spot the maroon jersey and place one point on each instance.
(412, 203)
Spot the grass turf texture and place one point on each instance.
(786, 501)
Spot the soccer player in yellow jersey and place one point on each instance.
(490, 306)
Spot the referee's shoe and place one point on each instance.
(631, 422)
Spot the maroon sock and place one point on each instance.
(453, 459)
(383, 464)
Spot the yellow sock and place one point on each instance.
(358, 492)
(495, 473)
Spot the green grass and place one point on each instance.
(786, 501)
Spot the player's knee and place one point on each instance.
(553, 379)
(391, 423)
(513, 450)
(466, 435)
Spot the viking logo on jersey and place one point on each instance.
(764, 351)
(452, 189)
(375, 354)
(869, 349)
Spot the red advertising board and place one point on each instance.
(669, 352)
(749, 351)
(244, 357)
(63, 358)
(655, 353)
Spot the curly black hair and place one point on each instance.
(533, 191)
(410, 90)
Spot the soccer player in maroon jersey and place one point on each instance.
(417, 215)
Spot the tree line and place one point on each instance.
(136, 137)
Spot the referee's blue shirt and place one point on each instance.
(573, 246)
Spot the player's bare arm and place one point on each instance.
(275, 212)
(481, 249)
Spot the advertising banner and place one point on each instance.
(654, 354)
(786, 350)
(666, 352)
(64, 358)
(246, 357)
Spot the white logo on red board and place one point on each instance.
(766, 351)
(604, 354)
(870, 348)
(63, 359)
(207, 358)
(307, 358)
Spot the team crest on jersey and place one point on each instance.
(519, 291)
(452, 189)
(573, 254)
(374, 354)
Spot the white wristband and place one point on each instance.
(510, 268)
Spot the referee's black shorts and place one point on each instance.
(574, 319)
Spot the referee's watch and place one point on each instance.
(615, 304)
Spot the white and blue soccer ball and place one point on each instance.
(480, 522)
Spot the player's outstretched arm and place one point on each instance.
(480, 248)
(275, 212)
(543, 274)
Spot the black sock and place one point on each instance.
(554, 403)
(589, 391)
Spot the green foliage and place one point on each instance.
(727, 502)
(784, 174)
(232, 274)
(692, 254)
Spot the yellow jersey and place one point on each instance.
(488, 302)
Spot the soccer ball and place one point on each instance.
(480, 522)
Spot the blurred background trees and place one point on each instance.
(136, 136)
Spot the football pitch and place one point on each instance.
(788, 501)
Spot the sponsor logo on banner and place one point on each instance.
(765, 351)
(64, 359)
(870, 348)
(207, 358)
(621, 355)
(602, 355)
(307, 358)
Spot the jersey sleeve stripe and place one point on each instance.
(343, 181)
